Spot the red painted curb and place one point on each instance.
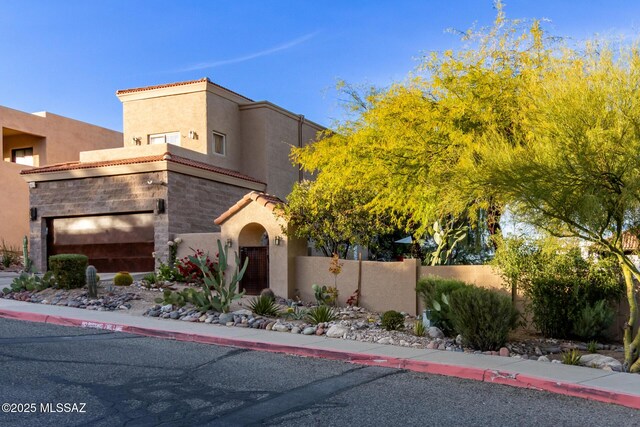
(477, 374)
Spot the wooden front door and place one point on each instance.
(256, 277)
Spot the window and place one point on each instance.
(22, 156)
(219, 141)
(165, 138)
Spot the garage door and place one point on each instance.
(112, 242)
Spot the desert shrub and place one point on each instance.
(419, 329)
(9, 254)
(593, 321)
(592, 347)
(435, 292)
(264, 306)
(557, 281)
(571, 357)
(150, 279)
(392, 320)
(177, 298)
(483, 317)
(189, 271)
(166, 273)
(122, 278)
(321, 314)
(69, 269)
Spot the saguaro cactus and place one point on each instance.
(92, 281)
(25, 255)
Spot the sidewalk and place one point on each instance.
(595, 384)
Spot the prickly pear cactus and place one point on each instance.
(92, 281)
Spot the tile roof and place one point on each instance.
(269, 201)
(630, 241)
(172, 158)
(162, 86)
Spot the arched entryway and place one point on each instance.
(253, 242)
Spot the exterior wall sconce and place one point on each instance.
(160, 207)
(229, 242)
(33, 214)
(277, 240)
(32, 184)
(137, 140)
(193, 134)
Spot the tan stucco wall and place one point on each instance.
(54, 139)
(385, 285)
(206, 242)
(14, 214)
(259, 135)
(253, 213)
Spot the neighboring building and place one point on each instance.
(36, 140)
(191, 150)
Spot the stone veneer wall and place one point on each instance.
(93, 196)
(191, 204)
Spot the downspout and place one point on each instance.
(300, 123)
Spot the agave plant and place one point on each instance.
(321, 314)
(264, 306)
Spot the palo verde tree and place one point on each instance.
(575, 172)
(407, 144)
(333, 220)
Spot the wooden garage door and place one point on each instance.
(112, 242)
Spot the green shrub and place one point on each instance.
(392, 320)
(593, 321)
(122, 278)
(150, 278)
(264, 306)
(174, 297)
(592, 347)
(435, 292)
(571, 357)
(419, 329)
(321, 314)
(8, 254)
(483, 317)
(69, 269)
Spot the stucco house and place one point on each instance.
(191, 150)
(36, 140)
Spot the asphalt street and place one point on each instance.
(54, 375)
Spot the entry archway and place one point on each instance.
(253, 242)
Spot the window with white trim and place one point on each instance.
(218, 144)
(22, 156)
(165, 138)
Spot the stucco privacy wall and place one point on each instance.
(384, 286)
(206, 242)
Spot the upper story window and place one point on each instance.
(165, 138)
(219, 142)
(22, 156)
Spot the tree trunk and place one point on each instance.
(631, 343)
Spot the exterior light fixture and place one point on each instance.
(193, 134)
(277, 240)
(229, 242)
(137, 140)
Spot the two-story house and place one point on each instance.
(191, 150)
(36, 140)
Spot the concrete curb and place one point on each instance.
(505, 377)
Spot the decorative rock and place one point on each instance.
(385, 340)
(459, 339)
(435, 332)
(504, 352)
(174, 315)
(309, 330)
(270, 326)
(600, 361)
(543, 359)
(556, 361)
(202, 318)
(320, 331)
(208, 320)
(295, 330)
(229, 323)
(166, 308)
(242, 312)
(442, 347)
(432, 345)
(226, 318)
(279, 327)
(337, 331)
(154, 313)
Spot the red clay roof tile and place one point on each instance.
(60, 167)
(162, 86)
(269, 201)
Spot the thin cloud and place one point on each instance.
(285, 46)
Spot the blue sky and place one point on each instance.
(70, 56)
